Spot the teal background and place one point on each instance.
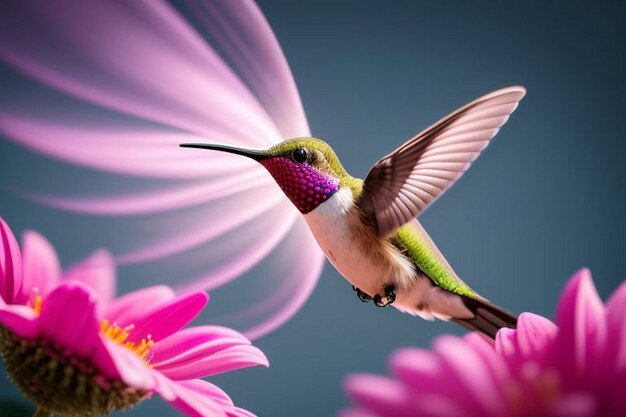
(546, 198)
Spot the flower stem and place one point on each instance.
(42, 413)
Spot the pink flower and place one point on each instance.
(75, 350)
(216, 70)
(574, 368)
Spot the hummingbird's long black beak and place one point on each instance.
(257, 155)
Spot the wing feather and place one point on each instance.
(404, 183)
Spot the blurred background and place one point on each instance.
(546, 198)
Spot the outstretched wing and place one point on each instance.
(404, 183)
(114, 88)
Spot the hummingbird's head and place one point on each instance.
(306, 169)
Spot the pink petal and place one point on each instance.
(248, 254)
(97, 272)
(300, 256)
(68, 319)
(216, 360)
(534, 333)
(616, 326)
(131, 368)
(107, 67)
(529, 341)
(125, 309)
(165, 199)
(192, 236)
(188, 399)
(168, 318)
(187, 339)
(477, 386)
(419, 369)
(247, 99)
(495, 366)
(103, 361)
(121, 148)
(381, 395)
(10, 265)
(20, 320)
(190, 353)
(207, 389)
(250, 44)
(575, 405)
(582, 333)
(42, 269)
(384, 397)
(479, 340)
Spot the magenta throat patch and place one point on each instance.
(305, 186)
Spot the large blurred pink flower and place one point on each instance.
(574, 368)
(116, 87)
(75, 350)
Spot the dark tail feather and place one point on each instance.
(488, 318)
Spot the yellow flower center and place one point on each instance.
(120, 336)
(114, 332)
(37, 304)
(34, 300)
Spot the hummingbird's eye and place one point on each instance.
(299, 155)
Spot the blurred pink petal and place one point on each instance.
(196, 236)
(616, 326)
(163, 200)
(249, 254)
(495, 368)
(152, 34)
(380, 395)
(536, 370)
(10, 265)
(575, 405)
(418, 369)
(256, 53)
(530, 340)
(474, 384)
(145, 152)
(300, 257)
(580, 317)
(222, 79)
(41, 267)
(97, 272)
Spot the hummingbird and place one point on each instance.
(368, 228)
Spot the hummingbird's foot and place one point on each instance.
(389, 298)
(361, 295)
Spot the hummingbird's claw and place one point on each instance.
(390, 297)
(361, 295)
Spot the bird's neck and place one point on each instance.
(355, 185)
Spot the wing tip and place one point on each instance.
(518, 90)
